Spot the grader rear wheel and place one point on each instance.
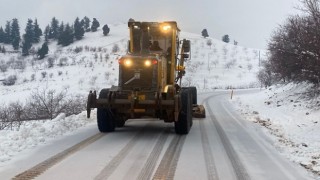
(182, 126)
(105, 117)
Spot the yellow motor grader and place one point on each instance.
(149, 84)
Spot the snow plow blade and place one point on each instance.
(198, 111)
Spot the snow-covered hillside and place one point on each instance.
(91, 63)
(221, 65)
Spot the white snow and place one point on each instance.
(33, 133)
(289, 117)
(281, 110)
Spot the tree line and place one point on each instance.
(294, 48)
(64, 34)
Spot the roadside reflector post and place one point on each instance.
(231, 93)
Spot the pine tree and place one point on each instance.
(1, 35)
(28, 38)
(86, 23)
(15, 34)
(7, 33)
(106, 30)
(95, 25)
(25, 48)
(204, 33)
(3, 49)
(225, 38)
(69, 34)
(43, 50)
(60, 31)
(54, 29)
(66, 36)
(78, 29)
(46, 33)
(37, 32)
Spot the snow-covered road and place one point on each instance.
(221, 146)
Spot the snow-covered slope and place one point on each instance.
(291, 115)
(220, 65)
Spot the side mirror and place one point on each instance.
(186, 45)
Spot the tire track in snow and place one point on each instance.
(45, 165)
(107, 171)
(238, 167)
(150, 164)
(208, 157)
(168, 164)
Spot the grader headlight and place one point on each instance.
(126, 62)
(149, 62)
(165, 28)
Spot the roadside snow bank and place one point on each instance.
(32, 133)
(290, 117)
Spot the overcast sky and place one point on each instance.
(250, 22)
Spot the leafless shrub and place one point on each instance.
(3, 67)
(96, 56)
(265, 75)
(107, 75)
(63, 61)
(216, 77)
(249, 67)
(45, 104)
(215, 62)
(93, 49)
(19, 64)
(225, 50)
(93, 80)
(74, 105)
(228, 65)
(9, 81)
(44, 74)
(107, 57)
(50, 62)
(209, 43)
(80, 82)
(78, 49)
(90, 64)
(115, 48)
(32, 77)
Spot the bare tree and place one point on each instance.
(209, 43)
(48, 103)
(3, 67)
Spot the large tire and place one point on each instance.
(105, 117)
(194, 95)
(185, 116)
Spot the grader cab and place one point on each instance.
(149, 84)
